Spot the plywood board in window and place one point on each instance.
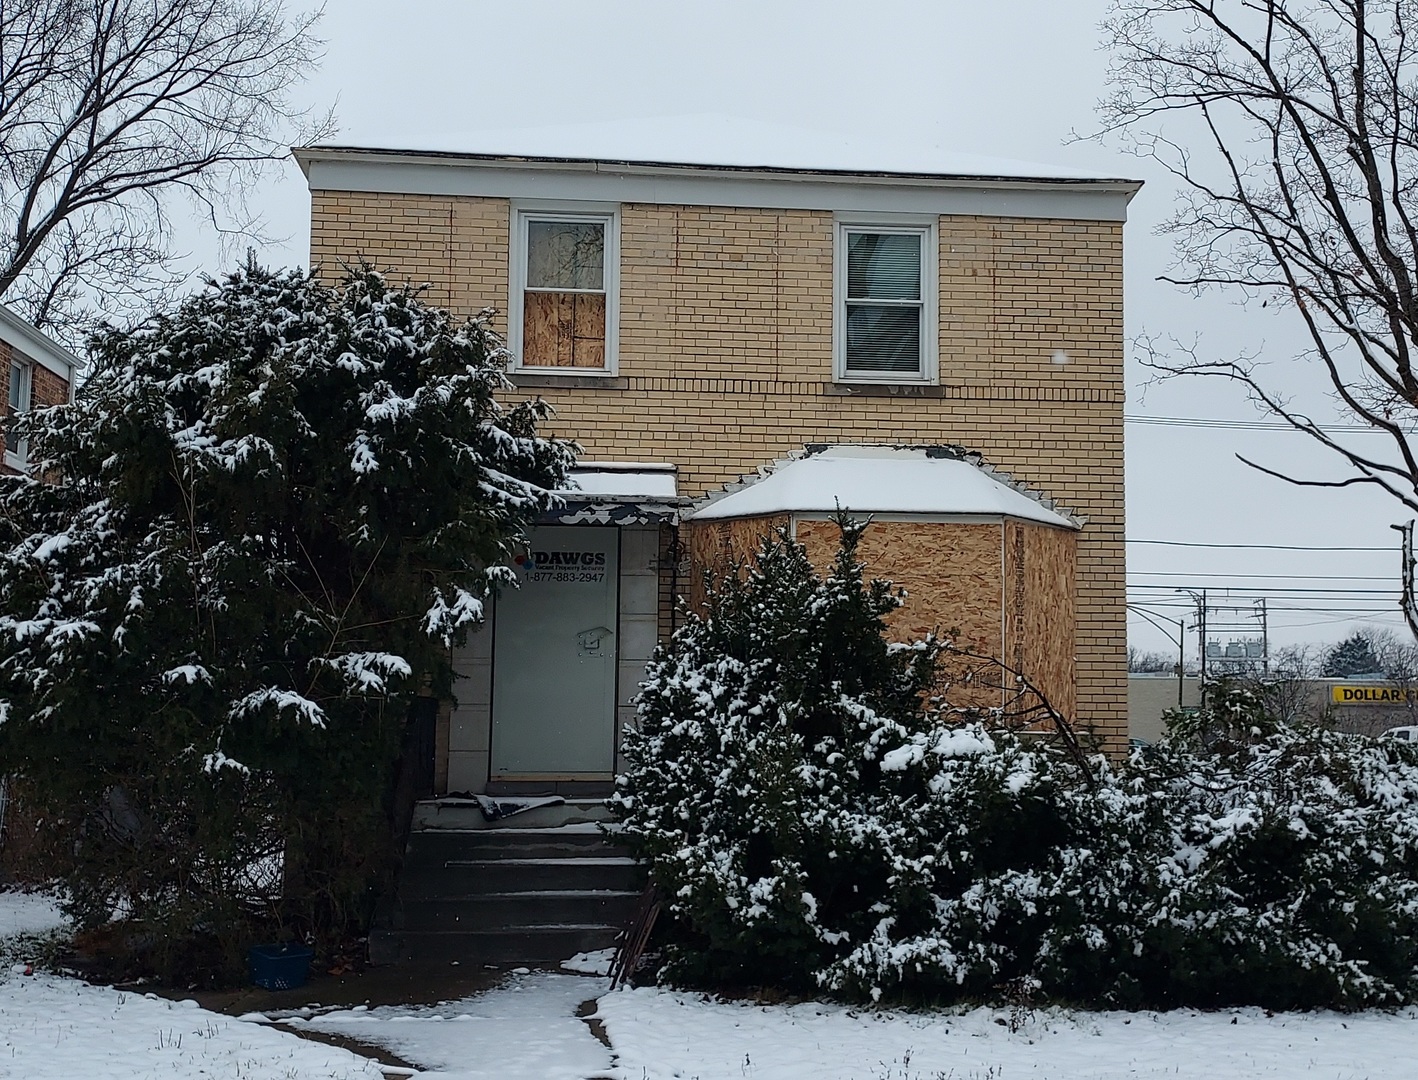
(564, 330)
(721, 546)
(1040, 614)
(588, 330)
(954, 582)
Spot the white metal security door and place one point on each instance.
(554, 658)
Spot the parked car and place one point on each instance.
(1408, 733)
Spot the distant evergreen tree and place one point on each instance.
(1352, 656)
(265, 519)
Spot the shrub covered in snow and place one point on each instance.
(264, 519)
(816, 819)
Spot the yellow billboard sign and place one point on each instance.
(1372, 694)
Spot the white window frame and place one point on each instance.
(18, 457)
(928, 229)
(522, 214)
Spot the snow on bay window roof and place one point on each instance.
(926, 480)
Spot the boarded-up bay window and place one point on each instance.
(564, 294)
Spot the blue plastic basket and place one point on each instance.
(279, 967)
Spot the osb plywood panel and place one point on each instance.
(564, 330)
(953, 579)
(1041, 610)
(716, 546)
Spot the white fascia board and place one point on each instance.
(38, 346)
(622, 182)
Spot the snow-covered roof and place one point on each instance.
(621, 480)
(884, 480)
(710, 140)
(24, 337)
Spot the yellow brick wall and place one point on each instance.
(726, 357)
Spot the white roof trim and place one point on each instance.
(38, 346)
(339, 168)
(905, 480)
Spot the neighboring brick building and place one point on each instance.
(719, 319)
(34, 371)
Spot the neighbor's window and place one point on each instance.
(19, 402)
(885, 294)
(566, 294)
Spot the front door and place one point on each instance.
(554, 659)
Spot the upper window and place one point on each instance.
(563, 310)
(19, 401)
(885, 318)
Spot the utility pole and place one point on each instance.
(1264, 639)
(1181, 659)
(1201, 621)
(1201, 624)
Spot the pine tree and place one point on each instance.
(268, 515)
(755, 766)
(1352, 656)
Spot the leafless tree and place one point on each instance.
(109, 109)
(1292, 126)
(1150, 662)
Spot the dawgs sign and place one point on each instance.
(562, 566)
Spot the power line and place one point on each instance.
(1217, 423)
(1258, 547)
(1188, 576)
(1267, 590)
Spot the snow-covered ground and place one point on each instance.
(528, 1028)
(54, 1028)
(661, 1035)
(29, 913)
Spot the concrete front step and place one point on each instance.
(437, 847)
(507, 896)
(467, 815)
(478, 877)
(512, 910)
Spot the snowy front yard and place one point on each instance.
(55, 1028)
(528, 1029)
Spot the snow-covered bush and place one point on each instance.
(260, 525)
(818, 818)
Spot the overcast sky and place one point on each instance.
(1007, 78)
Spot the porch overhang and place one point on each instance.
(619, 493)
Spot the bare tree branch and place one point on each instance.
(112, 109)
(1292, 128)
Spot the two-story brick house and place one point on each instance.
(35, 371)
(950, 345)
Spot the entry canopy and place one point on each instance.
(621, 480)
(619, 493)
(926, 480)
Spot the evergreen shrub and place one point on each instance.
(818, 817)
(245, 549)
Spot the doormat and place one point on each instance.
(497, 809)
